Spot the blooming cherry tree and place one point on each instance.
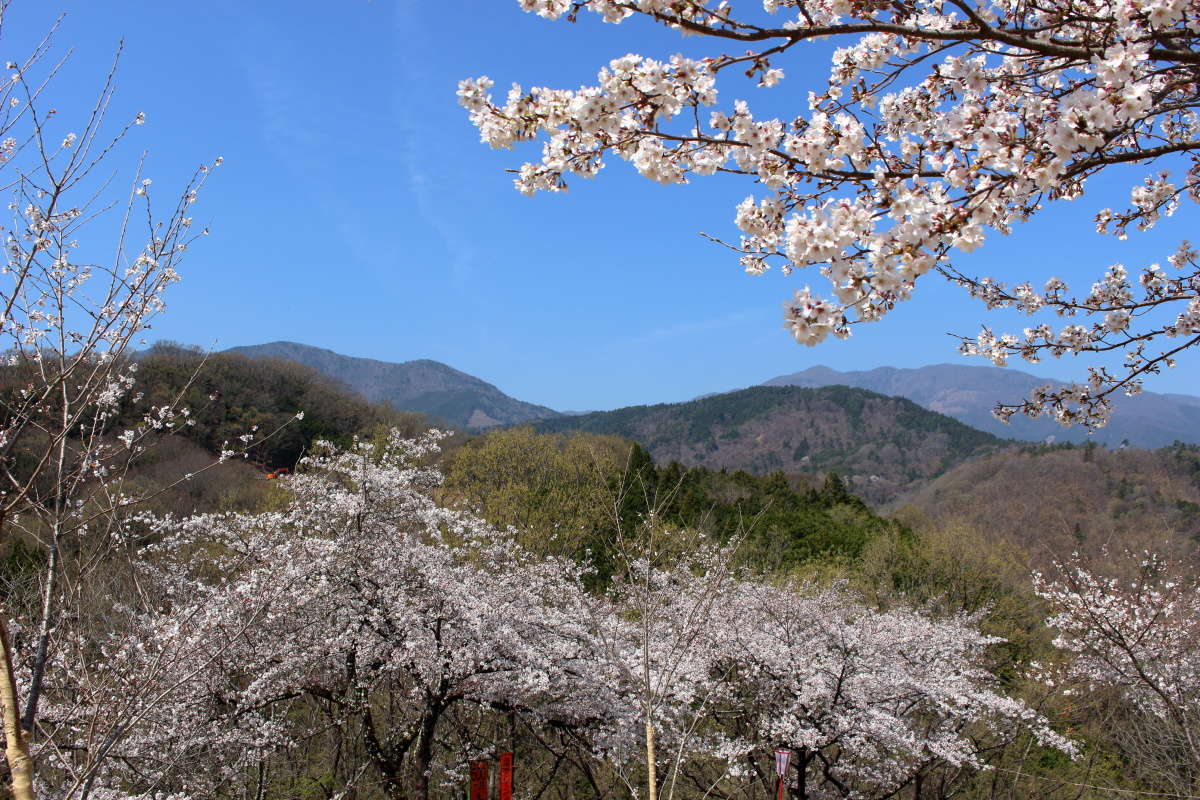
(728, 669)
(942, 121)
(1141, 636)
(869, 702)
(70, 318)
(658, 641)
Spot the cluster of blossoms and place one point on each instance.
(843, 685)
(363, 594)
(940, 122)
(1140, 634)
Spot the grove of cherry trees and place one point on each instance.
(362, 639)
(416, 633)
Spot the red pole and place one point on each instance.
(506, 776)
(479, 780)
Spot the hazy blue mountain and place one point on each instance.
(426, 386)
(968, 394)
(882, 445)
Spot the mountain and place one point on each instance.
(423, 385)
(1053, 500)
(968, 393)
(881, 445)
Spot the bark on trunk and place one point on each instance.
(424, 754)
(16, 751)
(800, 792)
(651, 766)
(43, 642)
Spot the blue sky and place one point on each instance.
(356, 209)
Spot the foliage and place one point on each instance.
(554, 490)
(786, 527)
(571, 494)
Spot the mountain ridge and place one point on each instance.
(424, 385)
(883, 445)
(969, 392)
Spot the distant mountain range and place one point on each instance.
(968, 393)
(885, 445)
(965, 393)
(427, 386)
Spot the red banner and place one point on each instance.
(506, 776)
(479, 780)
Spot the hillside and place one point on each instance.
(968, 393)
(882, 445)
(427, 386)
(228, 395)
(1053, 500)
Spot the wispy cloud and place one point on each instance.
(278, 101)
(731, 319)
(287, 125)
(416, 152)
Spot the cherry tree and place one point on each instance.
(1140, 635)
(360, 598)
(658, 642)
(87, 264)
(942, 121)
(728, 668)
(869, 702)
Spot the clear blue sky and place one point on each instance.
(356, 209)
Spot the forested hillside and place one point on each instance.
(1055, 500)
(230, 395)
(269, 412)
(570, 494)
(881, 445)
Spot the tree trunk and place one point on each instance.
(43, 641)
(386, 760)
(651, 766)
(56, 530)
(424, 753)
(800, 792)
(16, 740)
